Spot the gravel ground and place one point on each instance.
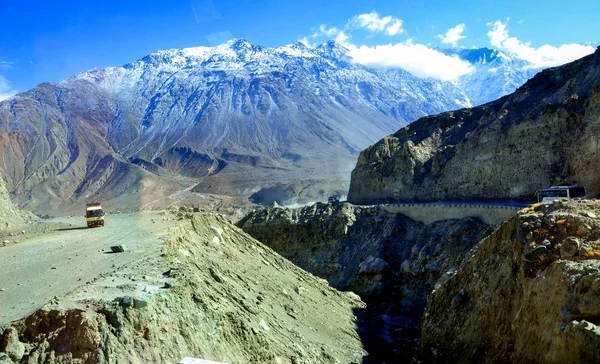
(41, 267)
(210, 292)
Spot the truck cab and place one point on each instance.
(94, 214)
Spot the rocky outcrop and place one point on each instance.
(545, 133)
(528, 293)
(391, 261)
(11, 217)
(386, 258)
(214, 293)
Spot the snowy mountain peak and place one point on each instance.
(240, 46)
(298, 45)
(196, 51)
(496, 73)
(333, 49)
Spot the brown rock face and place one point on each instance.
(520, 298)
(544, 133)
(386, 258)
(11, 217)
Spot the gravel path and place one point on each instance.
(39, 268)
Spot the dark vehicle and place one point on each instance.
(560, 193)
(334, 199)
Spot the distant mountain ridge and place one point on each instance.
(496, 73)
(233, 118)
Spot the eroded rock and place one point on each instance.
(524, 303)
(11, 345)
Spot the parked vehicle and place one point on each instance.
(94, 214)
(560, 193)
(334, 199)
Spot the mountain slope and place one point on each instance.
(235, 118)
(253, 100)
(209, 291)
(10, 215)
(496, 74)
(544, 133)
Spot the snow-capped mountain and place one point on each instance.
(236, 117)
(496, 73)
(254, 100)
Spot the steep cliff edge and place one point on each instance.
(528, 293)
(391, 261)
(384, 257)
(544, 133)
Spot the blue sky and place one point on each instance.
(52, 40)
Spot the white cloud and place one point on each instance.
(327, 31)
(417, 59)
(5, 89)
(544, 56)
(4, 65)
(306, 42)
(377, 24)
(423, 61)
(453, 35)
(342, 38)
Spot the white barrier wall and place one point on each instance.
(428, 213)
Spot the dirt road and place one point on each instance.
(37, 269)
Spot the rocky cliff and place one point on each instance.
(214, 293)
(391, 261)
(544, 133)
(366, 250)
(12, 219)
(528, 293)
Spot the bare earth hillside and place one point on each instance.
(12, 219)
(212, 292)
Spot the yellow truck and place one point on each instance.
(94, 214)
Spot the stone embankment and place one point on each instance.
(493, 215)
(528, 293)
